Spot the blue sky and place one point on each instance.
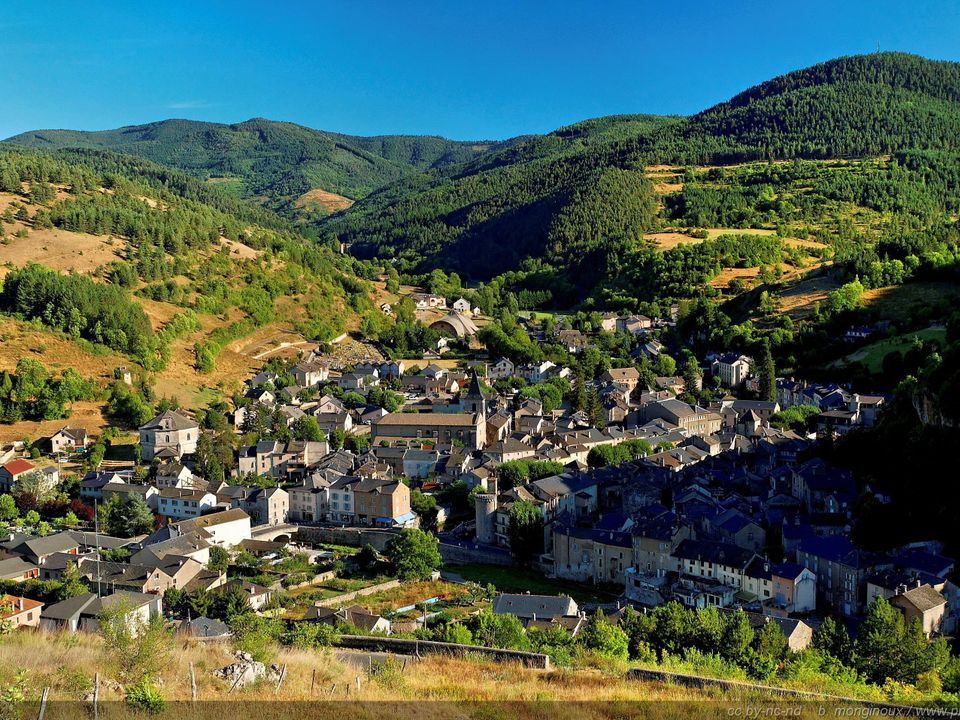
(477, 70)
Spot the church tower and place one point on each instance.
(473, 400)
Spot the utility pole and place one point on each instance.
(96, 535)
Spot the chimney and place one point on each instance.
(20, 601)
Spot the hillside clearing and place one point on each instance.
(515, 580)
(904, 303)
(798, 298)
(873, 354)
(87, 415)
(322, 202)
(245, 252)
(57, 352)
(61, 250)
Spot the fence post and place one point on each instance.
(193, 685)
(43, 703)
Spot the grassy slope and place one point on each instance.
(67, 251)
(509, 579)
(66, 664)
(872, 355)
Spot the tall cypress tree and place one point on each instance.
(767, 373)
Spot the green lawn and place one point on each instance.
(339, 549)
(539, 314)
(872, 355)
(516, 580)
(231, 185)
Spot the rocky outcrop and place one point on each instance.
(247, 671)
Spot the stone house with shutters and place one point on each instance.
(168, 436)
(384, 503)
(442, 428)
(588, 555)
(923, 603)
(68, 439)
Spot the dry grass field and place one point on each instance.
(322, 202)
(728, 275)
(65, 664)
(672, 237)
(901, 303)
(798, 298)
(244, 252)
(61, 250)
(19, 339)
(87, 415)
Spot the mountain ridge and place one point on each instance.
(275, 161)
(484, 208)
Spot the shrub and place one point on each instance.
(604, 638)
(144, 695)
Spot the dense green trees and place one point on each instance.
(413, 554)
(525, 531)
(576, 203)
(603, 455)
(79, 307)
(799, 417)
(32, 393)
(125, 517)
(519, 472)
(604, 637)
(766, 373)
(262, 158)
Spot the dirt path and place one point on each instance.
(278, 348)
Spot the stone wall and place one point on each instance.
(699, 682)
(421, 647)
(354, 537)
(340, 600)
(458, 555)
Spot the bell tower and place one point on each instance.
(473, 400)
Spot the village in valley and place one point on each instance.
(483, 362)
(547, 492)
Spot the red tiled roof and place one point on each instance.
(15, 467)
(11, 605)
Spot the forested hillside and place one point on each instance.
(123, 258)
(555, 199)
(850, 107)
(821, 198)
(486, 216)
(273, 161)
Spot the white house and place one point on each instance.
(732, 368)
(227, 528)
(462, 306)
(68, 439)
(175, 502)
(342, 505)
(501, 370)
(308, 374)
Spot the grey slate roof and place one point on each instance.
(528, 606)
